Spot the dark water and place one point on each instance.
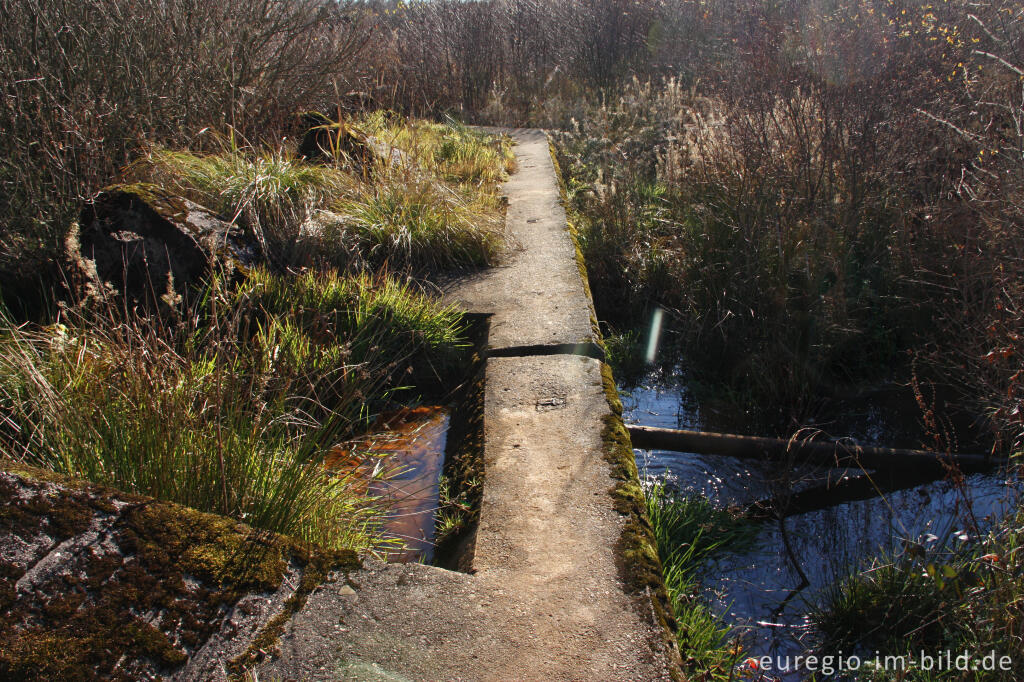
(755, 589)
(411, 448)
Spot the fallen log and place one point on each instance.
(822, 453)
(152, 248)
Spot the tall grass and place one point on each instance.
(813, 220)
(689, 531)
(963, 598)
(768, 233)
(233, 412)
(376, 317)
(450, 149)
(411, 224)
(304, 213)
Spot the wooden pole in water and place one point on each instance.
(828, 454)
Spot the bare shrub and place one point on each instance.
(507, 59)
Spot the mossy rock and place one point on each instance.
(151, 246)
(99, 584)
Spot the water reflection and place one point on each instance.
(412, 442)
(758, 591)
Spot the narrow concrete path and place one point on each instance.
(537, 298)
(546, 600)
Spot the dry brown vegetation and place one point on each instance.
(826, 193)
(820, 192)
(86, 84)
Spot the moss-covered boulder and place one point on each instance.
(103, 585)
(151, 246)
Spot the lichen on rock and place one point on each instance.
(103, 585)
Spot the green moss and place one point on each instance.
(206, 546)
(155, 644)
(94, 619)
(581, 264)
(641, 565)
(60, 516)
(165, 204)
(32, 473)
(317, 570)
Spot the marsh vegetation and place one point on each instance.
(822, 198)
(230, 398)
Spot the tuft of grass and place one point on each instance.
(626, 356)
(455, 152)
(956, 598)
(419, 225)
(118, 406)
(374, 316)
(304, 213)
(232, 413)
(689, 530)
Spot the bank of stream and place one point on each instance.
(767, 588)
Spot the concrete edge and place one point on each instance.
(640, 565)
(581, 264)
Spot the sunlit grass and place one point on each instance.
(450, 149)
(419, 225)
(267, 192)
(446, 216)
(236, 414)
(689, 530)
(373, 317)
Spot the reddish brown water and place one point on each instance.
(411, 444)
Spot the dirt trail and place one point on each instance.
(546, 601)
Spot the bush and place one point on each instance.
(824, 218)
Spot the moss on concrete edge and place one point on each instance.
(641, 566)
(638, 550)
(317, 570)
(572, 220)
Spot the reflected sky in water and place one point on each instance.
(754, 588)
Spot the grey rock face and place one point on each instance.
(151, 247)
